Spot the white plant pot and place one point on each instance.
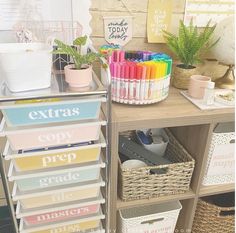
(25, 66)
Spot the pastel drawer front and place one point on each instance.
(51, 112)
(60, 197)
(52, 160)
(63, 178)
(61, 215)
(53, 136)
(79, 227)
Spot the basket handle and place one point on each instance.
(226, 211)
(232, 141)
(152, 221)
(158, 171)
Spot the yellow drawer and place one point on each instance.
(72, 228)
(51, 159)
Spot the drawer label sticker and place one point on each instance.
(60, 137)
(62, 214)
(58, 159)
(52, 113)
(64, 178)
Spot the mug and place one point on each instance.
(197, 85)
(133, 163)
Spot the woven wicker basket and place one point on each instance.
(140, 183)
(211, 217)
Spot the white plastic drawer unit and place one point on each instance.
(83, 224)
(55, 177)
(43, 136)
(45, 159)
(62, 194)
(44, 111)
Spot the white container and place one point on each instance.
(159, 218)
(25, 66)
(158, 149)
(221, 158)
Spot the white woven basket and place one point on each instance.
(159, 218)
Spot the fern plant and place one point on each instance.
(189, 44)
(79, 59)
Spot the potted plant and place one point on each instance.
(188, 46)
(78, 74)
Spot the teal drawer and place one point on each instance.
(51, 112)
(55, 177)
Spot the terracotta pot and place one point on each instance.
(78, 78)
(181, 76)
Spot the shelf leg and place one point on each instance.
(7, 194)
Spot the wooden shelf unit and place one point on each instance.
(191, 126)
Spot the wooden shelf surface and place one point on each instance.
(176, 110)
(216, 189)
(127, 204)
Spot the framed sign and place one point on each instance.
(118, 30)
(159, 18)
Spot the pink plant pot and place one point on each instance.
(197, 85)
(78, 78)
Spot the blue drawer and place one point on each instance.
(51, 112)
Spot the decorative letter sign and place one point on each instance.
(118, 30)
(159, 18)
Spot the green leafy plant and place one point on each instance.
(79, 59)
(190, 43)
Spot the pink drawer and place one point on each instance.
(61, 215)
(43, 137)
(90, 224)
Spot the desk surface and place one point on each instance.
(176, 110)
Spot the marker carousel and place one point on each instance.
(139, 77)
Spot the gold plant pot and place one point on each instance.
(181, 76)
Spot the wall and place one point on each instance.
(138, 10)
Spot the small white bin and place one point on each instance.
(160, 148)
(159, 218)
(26, 66)
(221, 158)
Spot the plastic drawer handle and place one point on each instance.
(152, 221)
